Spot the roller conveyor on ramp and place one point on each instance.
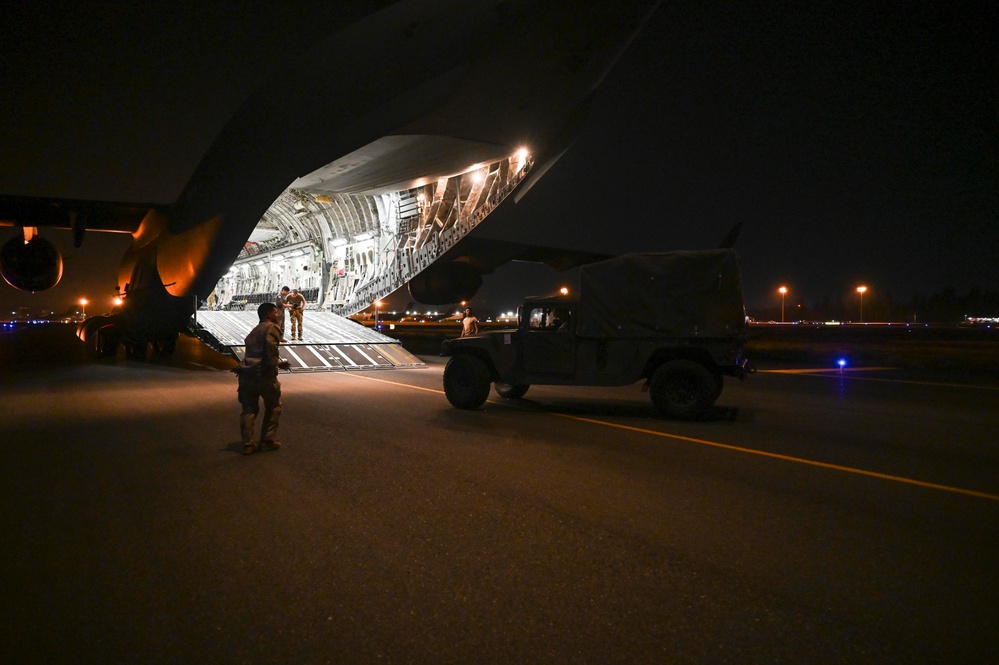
(330, 342)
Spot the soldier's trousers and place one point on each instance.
(252, 388)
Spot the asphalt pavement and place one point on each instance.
(820, 517)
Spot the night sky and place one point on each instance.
(856, 143)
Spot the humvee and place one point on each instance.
(675, 320)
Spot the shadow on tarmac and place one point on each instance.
(30, 347)
(605, 409)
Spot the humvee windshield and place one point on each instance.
(549, 318)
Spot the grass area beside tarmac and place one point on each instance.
(971, 351)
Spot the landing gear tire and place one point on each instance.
(514, 391)
(135, 350)
(466, 382)
(165, 348)
(106, 342)
(683, 389)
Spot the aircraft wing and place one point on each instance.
(75, 215)
(457, 274)
(487, 254)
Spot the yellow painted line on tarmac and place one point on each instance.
(725, 446)
(788, 458)
(824, 370)
(830, 373)
(358, 375)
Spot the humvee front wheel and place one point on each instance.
(683, 389)
(512, 391)
(466, 382)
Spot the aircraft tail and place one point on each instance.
(729, 241)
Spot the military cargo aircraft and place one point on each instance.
(430, 114)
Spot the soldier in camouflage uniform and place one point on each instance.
(296, 301)
(282, 304)
(258, 380)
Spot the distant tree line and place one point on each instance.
(946, 306)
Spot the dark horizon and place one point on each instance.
(856, 145)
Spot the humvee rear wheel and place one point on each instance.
(466, 382)
(719, 385)
(512, 391)
(683, 389)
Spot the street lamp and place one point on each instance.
(861, 290)
(83, 303)
(378, 303)
(782, 291)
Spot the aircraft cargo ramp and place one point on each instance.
(330, 342)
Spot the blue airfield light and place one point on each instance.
(842, 363)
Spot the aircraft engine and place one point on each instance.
(447, 283)
(35, 265)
